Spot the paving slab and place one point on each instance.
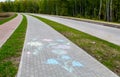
(47, 53)
(109, 34)
(8, 28)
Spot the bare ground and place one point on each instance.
(5, 15)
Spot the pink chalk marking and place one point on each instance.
(28, 53)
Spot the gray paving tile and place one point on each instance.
(47, 53)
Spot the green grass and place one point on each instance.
(7, 19)
(92, 20)
(10, 52)
(105, 52)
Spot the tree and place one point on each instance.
(108, 10)
(111, 9)
(100, 9)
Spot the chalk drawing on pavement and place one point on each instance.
(58, 47)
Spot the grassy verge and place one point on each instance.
(10, 52)
(87, 19)
(7, 19)
(105, 52)
(92, 20)
(103, 23)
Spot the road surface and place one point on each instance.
(47, 53)
(103, 32)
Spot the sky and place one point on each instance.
(4, 0)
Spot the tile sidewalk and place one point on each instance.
(47, 53)
(8, 28)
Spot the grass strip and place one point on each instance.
(105, 52)
(10, 52)
(104, 23)
(92, 20)
(7, 19)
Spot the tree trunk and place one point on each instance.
(111, 10)
(100, 9)
(75, 7)
(56, 6)
(108, 10)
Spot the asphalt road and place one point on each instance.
(47, 53)
(103, 32)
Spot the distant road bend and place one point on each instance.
(109, 34)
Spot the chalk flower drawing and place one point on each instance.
(58, 47)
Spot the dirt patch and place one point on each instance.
(5, 15)
(14, 60)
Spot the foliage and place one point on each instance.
(108, 10)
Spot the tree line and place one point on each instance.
(108, 10)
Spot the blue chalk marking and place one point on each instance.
(76, 64)
(52, 61)
(68, 69)
(62, 47)
(61, 41)
(65, 57)
(35, 53)
(67, 43)
(51, 44)
(59, 52)
(39, 48)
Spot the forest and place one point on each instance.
(106, 10)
